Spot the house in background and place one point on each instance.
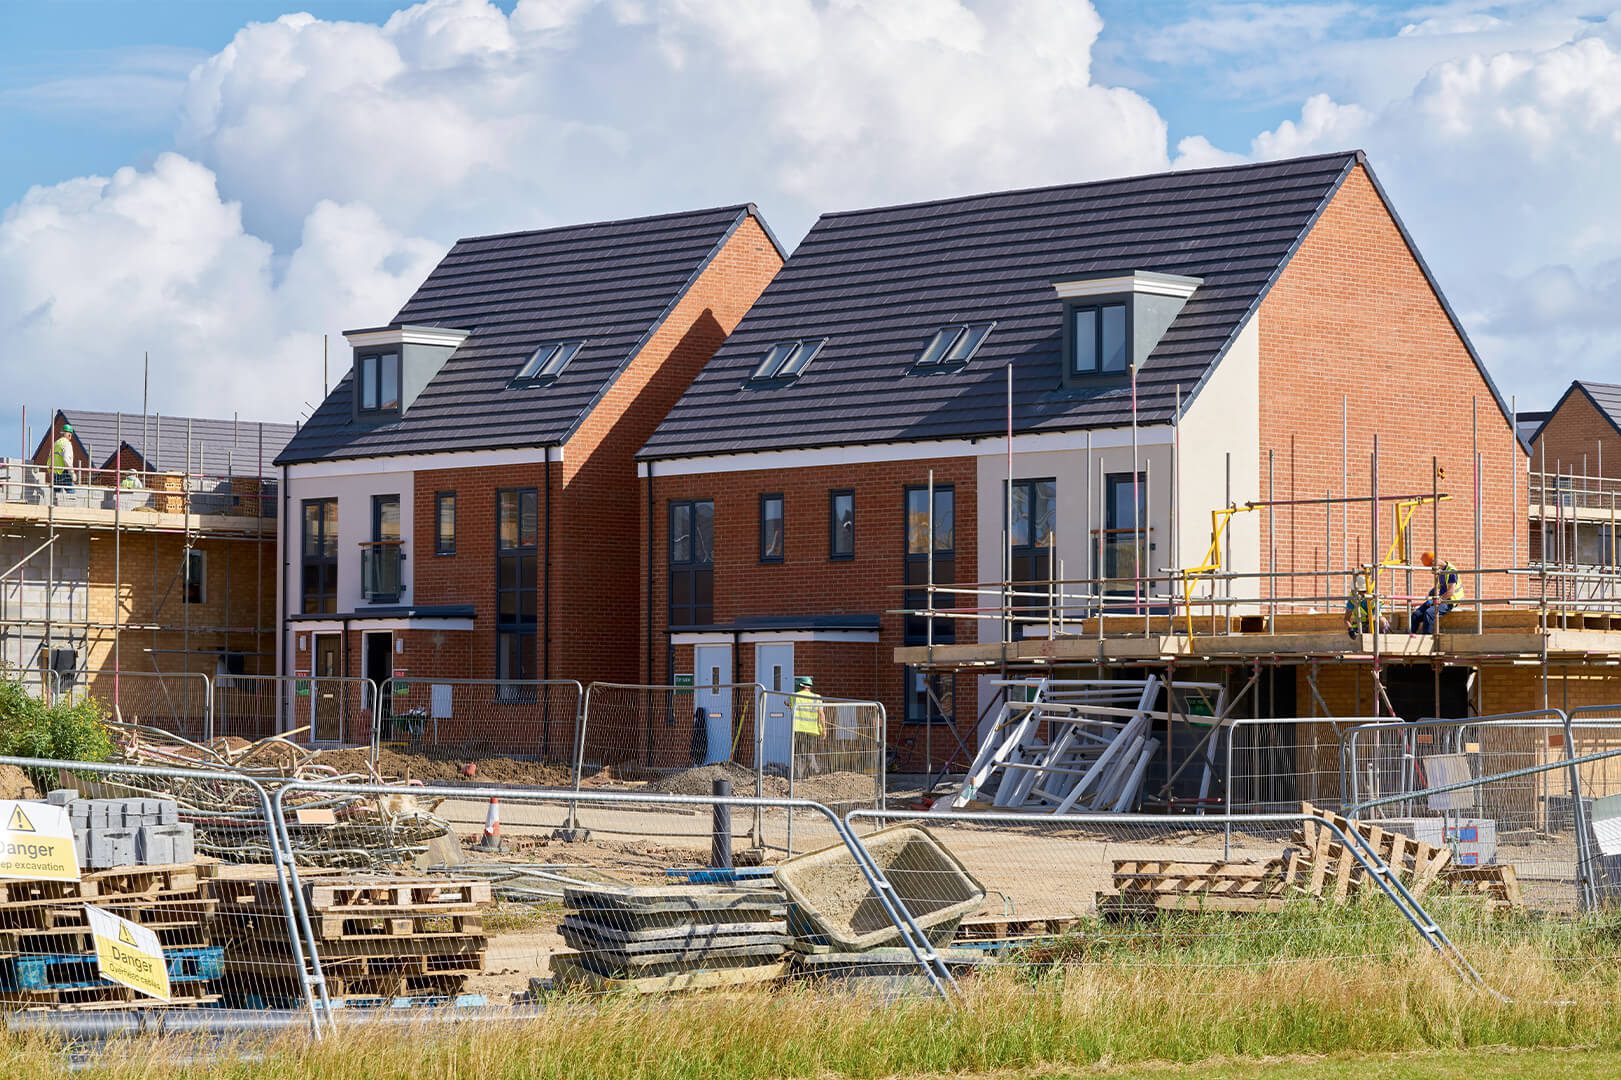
(464, 502)
(1575, 486)
(1080, 375)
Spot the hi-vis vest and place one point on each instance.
(62, 454)
(807, 713)
(1449, 583)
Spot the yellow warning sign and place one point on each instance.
(37, 842)
(128, 953)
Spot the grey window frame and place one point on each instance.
(440, 546)
(200, 579)
(833, 497)
(915, 628)
(548, 360)
(1096, 377)
(326, 565)
(519, 631)
(947, 343)
(373, 359)
(795, 356)
(908, 716)
(782, 527)
(692, 568)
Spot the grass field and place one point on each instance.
(1333, 992)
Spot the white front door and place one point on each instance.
(774, 669)
(713, 695)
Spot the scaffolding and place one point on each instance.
(174, 533)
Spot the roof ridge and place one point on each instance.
(735, 208)
(115, 414)
(1078, 185)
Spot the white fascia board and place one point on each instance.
(766, 637)
(1141, 282)
(811, 458)
(408, 463)
(368, 625)
(700, 638)
(407, 335)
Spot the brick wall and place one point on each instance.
(1578, 438)
(807, 582)
(1353, 320)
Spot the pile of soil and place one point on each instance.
(837, 787)
(14, 784)
(394, 765)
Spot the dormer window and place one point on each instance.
(378, 378)
(1098, 340)
(953, 345)
(547, 362)
(788, 359)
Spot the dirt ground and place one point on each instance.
(394, 765)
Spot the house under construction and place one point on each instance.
(152, 558)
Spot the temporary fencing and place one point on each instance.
(827, 750)
(470, 719)
(1273, 765)
(640, 730)
(326, 709)
(179, 702)
(152, 921)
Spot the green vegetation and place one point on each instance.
(61, 731)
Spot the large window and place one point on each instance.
(928, 696)
(1034, 507)
(196, 577)
(1098, 340)
(1124, 537)
(922, 548)
(517, 542)
(377, 376)
(771, 528)
(444, 523)
(841, 524)
(692, 563)
(382, 561)
(319, 549)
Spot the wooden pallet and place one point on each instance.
(999, 929)
(569, 974)
(123, 881)
(363, 896)
(1323, 861)
(1146, 885)
(1496, 884)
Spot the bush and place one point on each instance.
(59, 732)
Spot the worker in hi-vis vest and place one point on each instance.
(1447, 594)
(807, 708)
(62, 457)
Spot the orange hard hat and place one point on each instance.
(1428, 558)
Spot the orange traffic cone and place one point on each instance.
(492, 828)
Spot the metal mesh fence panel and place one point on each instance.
(1274, 765)
(636, 732)
(505, 914)
(325, 710)
(826, 750)
(512, 729)
(172, 903)
(179, 702)
(1127, 892)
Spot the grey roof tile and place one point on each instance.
(216, 446)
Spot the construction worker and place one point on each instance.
(1443, 597)
(807, 708)
(1362, 609)
(62, 458)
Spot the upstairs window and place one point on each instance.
(788, 359)
(771, 528)
(444, 523)
(841, 524)
(955, 344)
(1098, 340)
(196, 577)
(547, 362)
(378, 378)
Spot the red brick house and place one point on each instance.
(1575, 488)
(1277, 318)
(464, 503)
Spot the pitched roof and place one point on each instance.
(609, 283)
(878, 283)
(1606, 398)
(216, 446)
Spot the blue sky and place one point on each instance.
(223, 183)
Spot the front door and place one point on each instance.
(713, 694)
(774, 669)
(379, 660)
(327, 696)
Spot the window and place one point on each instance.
(1098, 340)
(546, 363)
(1125, 509)
(517, 541)
(444, 523)
(928, 696)
(954, 344)
(319, 553)
(692, 563)
(841, 524)
(378, 376)
(196, 577)
(1035, 508)
(385, 518)
(771, 528)
(788, 359)
(382, 578)
(922, 550)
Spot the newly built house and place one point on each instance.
(463, 504)
(1020, 410)
(1576, 483)
(150, 558)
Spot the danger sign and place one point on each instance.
(36, 842)
(128, 953)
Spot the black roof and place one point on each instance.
(609, 283)
(216, 446)
(879, 283)
(1606, 398)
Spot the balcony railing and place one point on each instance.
(382, 571)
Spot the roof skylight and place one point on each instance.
(788, 359)
(547, 362)
(954, 344)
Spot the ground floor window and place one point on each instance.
(928, 696)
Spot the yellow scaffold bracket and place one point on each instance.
(1220, 518)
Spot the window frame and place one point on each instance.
(547, 362)
(782, 527)
(948, 343)
(372, 361)
(833, 497)
(796, 356)
(440, 546)
(200, 579)
(1097, 376)
(325, 564)
(691, 567)
(378, 501)
(915, 628)
(517, 633)
(908, 673)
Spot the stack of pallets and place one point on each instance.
(381, 940)
(48, 956)
(1332, 869)
(672, 937)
